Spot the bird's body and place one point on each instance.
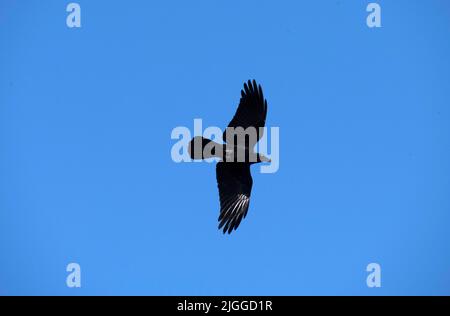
(233, 175)
(231, 153)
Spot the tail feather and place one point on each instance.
(201, 148)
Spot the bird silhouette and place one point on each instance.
(234, 179)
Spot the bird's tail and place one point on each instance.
(201, 148)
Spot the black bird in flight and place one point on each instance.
(233, 175)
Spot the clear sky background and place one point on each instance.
(86, 174)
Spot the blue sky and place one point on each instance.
(87, 177)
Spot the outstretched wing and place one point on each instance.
(252, 110)
(235, 185)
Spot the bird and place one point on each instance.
(236, 155)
